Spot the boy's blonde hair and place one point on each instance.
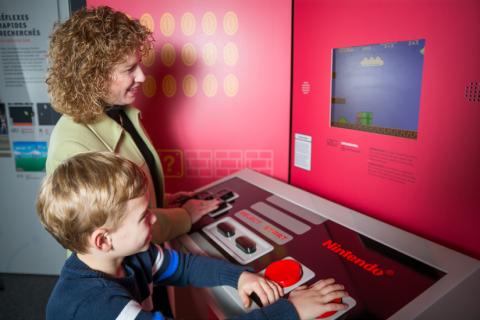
(82, 54)
(86, 192)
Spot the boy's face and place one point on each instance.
(135, 230)
(126, 79)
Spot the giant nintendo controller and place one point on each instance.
(389, 273)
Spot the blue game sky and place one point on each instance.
(387, 83)
(30, 149)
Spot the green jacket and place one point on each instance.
(69, 138)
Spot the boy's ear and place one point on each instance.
(100, 240)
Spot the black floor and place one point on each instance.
(24, 296)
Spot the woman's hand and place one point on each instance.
(198, 208)
(177, 199)
(268, 291)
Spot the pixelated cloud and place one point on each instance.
(372, 62)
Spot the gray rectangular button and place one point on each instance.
(235, 245)
(281, 218)
(310, 216)
(267, 229)
(206, 246)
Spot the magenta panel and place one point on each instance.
(218, 86)
(428, 184)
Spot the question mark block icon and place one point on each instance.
(172, 162)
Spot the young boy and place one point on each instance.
(96, 205)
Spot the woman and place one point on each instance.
(93, 77)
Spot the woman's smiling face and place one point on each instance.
(126, 79)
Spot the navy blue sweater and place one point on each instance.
(83, 293)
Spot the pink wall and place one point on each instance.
(224, 104)
(439, 195)
(203, 134)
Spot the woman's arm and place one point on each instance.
(170, 224)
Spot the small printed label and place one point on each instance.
(303, 151)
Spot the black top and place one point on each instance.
(118, 114)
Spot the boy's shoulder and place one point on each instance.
(81, 291)
(77, 287)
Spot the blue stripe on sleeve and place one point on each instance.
(172, 266)
(158, 316)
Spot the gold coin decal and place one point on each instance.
(146, 20)
(230, 54)
(169, 86)
(230, 85)
(209, 23)
(149, 86)
(188, 24)
(167, 54)
(167, 24)
(148, 58)
(189, 54)
(209, 54)
(230, 23)
(189, 85)
(210, 85)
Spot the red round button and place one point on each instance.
(329, 313)
(284, 272)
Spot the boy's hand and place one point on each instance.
(268, 291)
(311, 302)
(198, 208)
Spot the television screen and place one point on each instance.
(376, 88)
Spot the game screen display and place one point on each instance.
(30, 156)
(46, 115)
(4, 139)
(376, 88)
(21, 115)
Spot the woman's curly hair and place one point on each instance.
(82, 53)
